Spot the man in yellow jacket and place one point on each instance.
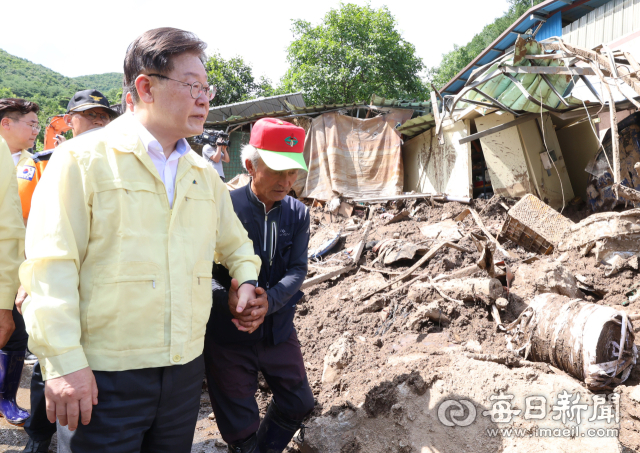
(11, 255)
(123, 232)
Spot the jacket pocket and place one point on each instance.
(201, 298)
(127, 306)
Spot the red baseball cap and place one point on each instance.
(280, 144)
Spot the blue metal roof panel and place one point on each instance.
(508, 38)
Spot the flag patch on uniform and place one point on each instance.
(26, 172)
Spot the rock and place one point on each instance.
(546, 276)
(473, 346)
(433, 311)
(442, 231)
(375, 303)
(337, 358)
(502, 303)
(635, 394)
(396, 235)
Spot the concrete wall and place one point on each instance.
(433, 168)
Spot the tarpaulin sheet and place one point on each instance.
(352, 157)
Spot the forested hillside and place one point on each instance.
(49, 89)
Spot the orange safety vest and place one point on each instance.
(29, 174)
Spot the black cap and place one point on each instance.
(89, 99)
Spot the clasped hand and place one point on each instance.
(248, 306)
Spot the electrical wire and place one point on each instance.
(596, 134)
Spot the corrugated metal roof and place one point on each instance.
(494, 87)
(418, 125)
(379, 101)
(254, 107)
(604, 24)
(289, 110)
(569, 12)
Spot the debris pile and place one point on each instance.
(402, 316)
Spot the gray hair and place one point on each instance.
(249, 152)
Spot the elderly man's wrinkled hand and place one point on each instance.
(254, 314)
(7, 326)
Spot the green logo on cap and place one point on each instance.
(291, 141)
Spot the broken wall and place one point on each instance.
(430, 167)
(518, 162)
(551, 178)
(505, 157)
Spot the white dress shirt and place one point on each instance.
(167, 168)
(16, 158)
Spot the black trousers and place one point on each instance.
(38, 427)
(152, 410)
(19, 338)
(232, 379)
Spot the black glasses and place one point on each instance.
(197, 88)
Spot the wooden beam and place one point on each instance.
(551, 70)
(363, 242)
(325, 277)
(493, 130)
(436, 116)
(437, 197)
(549, 56)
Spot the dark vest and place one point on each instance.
(278, 326)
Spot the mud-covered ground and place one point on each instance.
(364, 409)
(389, 372)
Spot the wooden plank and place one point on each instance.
(324, 277)
(551, 70)
(437, 197)
(363, 242)
(501, 127)
(436, 116)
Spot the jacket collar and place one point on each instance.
(253, 198)
(123, 134)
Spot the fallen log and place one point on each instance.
(468, 290)
(406, 274)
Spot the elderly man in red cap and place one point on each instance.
(240, 342)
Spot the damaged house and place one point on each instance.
(453, 268)
(529, 113)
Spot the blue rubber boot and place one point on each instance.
(10, 374)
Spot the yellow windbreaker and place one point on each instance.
(11, 229)
(117, 279)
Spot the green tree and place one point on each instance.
(456, 60)
(354, 52)
(6, 93)
(234, 80)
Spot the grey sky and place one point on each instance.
(76, 37)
